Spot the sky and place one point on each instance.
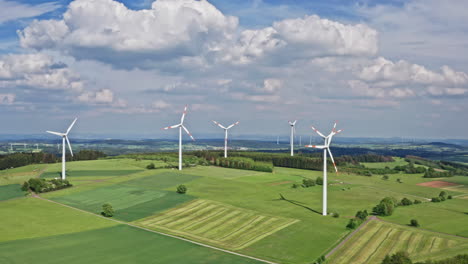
(380, 68)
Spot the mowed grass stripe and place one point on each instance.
(217, 223)
(163, 218)
(414, 243)
(340, 256)
(436, 244)
(387, 246)
(371, 245)
(202, 220)
(202, 228)
(401, 244)
(357, 242)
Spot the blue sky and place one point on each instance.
(382, 68)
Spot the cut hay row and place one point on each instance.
(378, 239)
(217, 223)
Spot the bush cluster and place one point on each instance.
(442, 197)
(360, 217)
(42, 185)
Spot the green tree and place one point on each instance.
(385, 207)
(414, 223)
(107, 210)
(385, 177)
(308, 183)
(405, 202)
(352, 224)
(417, 201)
(151, 166)
(397, 258)
(181, 189)
(362, 215)
(319, 181)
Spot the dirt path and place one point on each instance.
(349, 236)
(156, 232)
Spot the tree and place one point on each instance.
(405, 202)
(385, 207)
(414, 223)
(385, 177)
(308, 183)
(417, 201)
(181, 189)
(435, 200)
(362, 215)
(443, 195)
(151, 166)
(319, 181)
(397, 258)
(107, 210)
(352, 224)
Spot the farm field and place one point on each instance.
(254, 213)
(377, 239)
(10, 191)
(216, 223)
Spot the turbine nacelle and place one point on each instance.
(65, 135)
(327, 142)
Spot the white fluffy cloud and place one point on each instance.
(188, 32)
(37, 71)
(106, 28)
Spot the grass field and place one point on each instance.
(217, 223)
(21, 174)
(239, 209)
(119, 244)
(10, 191)
(31, 217)
(377, 239)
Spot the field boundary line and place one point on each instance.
(160, 233)
(349, 236)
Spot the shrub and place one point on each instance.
(397, 258)
(385, 207)
(362, 215)
(352, 224)
(414, 223)
(336, 215)
(320, 260)
(42, 185)
(319, 181)
(435, 200)
(151, 166)
(385, 177)
(449, 197)
(107, 210)
(417, 202)
(405, 202)
(296, 185)
(399, 180)
(308, 183)
(181, 189)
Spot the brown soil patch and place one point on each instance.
(279, 183)
(437, 184)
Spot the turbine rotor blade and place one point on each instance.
(318, 132)
(174, 126)
(70, 127)
(186, 130)
(218, 124)
(183, 115)
(235, 124)
(56, 133)
(331, 156)
(69, 145)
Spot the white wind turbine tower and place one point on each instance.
(181, 126)
(225, 134)
(293, 131)
(64, 138)
(326, 148)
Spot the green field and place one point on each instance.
(377, 239)
(254, 213)
(217, 223)
(10, 191)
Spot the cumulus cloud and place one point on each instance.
(160, 104)
(37, 71)
(106, 28)
(104, 96)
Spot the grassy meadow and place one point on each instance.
(254, 213)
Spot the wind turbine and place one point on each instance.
(64, 137)
(225, 134)
(181, 126)
(326, 148)
(293, 131)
